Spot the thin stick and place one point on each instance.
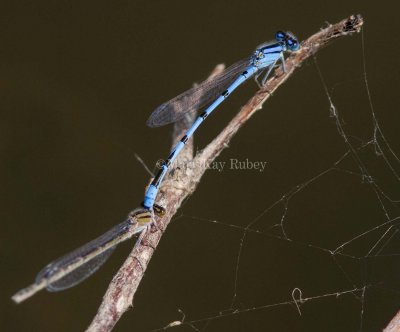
(394, 325)
(140, 160)
(119, 296)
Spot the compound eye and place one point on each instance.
(280, 36)
(158, 210)
(293, 45)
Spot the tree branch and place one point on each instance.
(181, 182)
(394, 325)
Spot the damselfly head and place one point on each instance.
(280, 36)
(158, 210)
(290, 40)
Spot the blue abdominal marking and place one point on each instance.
(264, 59)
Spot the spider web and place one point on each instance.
(356, 259)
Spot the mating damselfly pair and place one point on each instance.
(79, 264)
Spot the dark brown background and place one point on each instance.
(77, 82)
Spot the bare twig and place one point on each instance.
(140, 160)
(119, 296)
(394, 325)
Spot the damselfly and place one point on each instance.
(215, 91)
(74, 267)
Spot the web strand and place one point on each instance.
(377, 239)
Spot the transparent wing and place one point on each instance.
(81, 273)
(196, 97)
(76, 266)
